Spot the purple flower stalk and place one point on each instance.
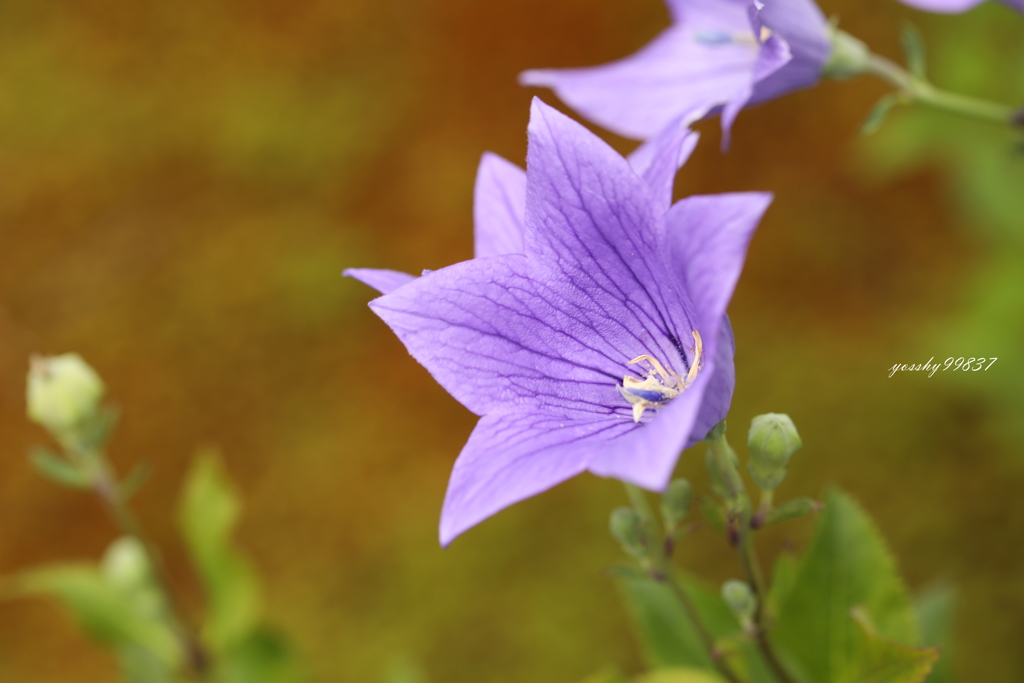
(590, 332)
(718, 55)
(956, 6)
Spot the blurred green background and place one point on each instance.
(181, 185)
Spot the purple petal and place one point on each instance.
(805, 30)
(512, 456)
(678, 73)
(593, 226)
(496, 336)
(773, 56)
(943, 6)
(707, 239)
(499, 203)
(383, 281)
(718, 395)
(658, 160)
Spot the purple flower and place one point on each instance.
(956, 6)
(590, 331)
(717, 55)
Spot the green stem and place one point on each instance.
(668, 577)
(744, 543)
(917, 89)
(109, 491)
(661, 571)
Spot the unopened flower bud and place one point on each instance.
(675, 502)
(741, 601)
(772, 440)
(627, 528)
(63, 393)
(124, 563)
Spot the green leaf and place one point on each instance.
(142, 666)
(610, 676)
(262, 657)
(684, 675)
(783, 578)
(103, 611)
(935, 610)
(135, 480)
(846, 566)
(913, 47)
(877, 660)
(878, 113)
(669, 637)
(58, 469)
(208, 513)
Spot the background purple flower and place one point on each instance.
(537, 342)
(717, 55)
(956, 6)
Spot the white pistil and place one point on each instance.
(661, 384)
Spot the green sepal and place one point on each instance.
(791, 509)
(262, 656)
(58, 469)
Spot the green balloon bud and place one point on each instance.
(627, 528)
(772, 441)
(63, 393)
(741, 601)
(675, 502)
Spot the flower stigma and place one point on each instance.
(661, 384)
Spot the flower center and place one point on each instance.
(661, 384)
(726, 38)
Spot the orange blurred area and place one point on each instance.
(181, 185)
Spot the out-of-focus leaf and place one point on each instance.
(713, 513)
(611, 676)
(142, 666)
(846, 566)
(669, 637)
(877, 660)
(135, 480)
(208, 512)
(876, 117)
(57, 469)
(783, 578)
(262, 657)
(103, 611)
(935, 609)
(913, 47)
(683, 675)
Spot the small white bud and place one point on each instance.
(63, 392)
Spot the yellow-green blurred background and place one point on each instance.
(182, 183)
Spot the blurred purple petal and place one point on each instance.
(499, 202)
(658, 160)
(382, 280)
(714, 57)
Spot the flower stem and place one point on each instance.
(668, 577)
(109, 490)
(744, 542)
(752, 569)
(660, 569)
(917, 89)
